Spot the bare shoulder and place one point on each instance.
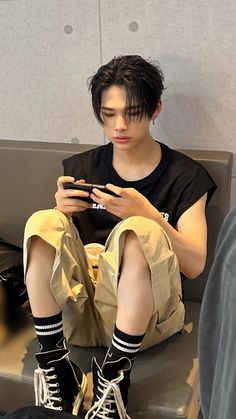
(194, 217)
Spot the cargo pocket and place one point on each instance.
(173, 324)
(78, 291)
(166, 283)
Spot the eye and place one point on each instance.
(134, 114)
(107, 115)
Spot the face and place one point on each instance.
(122, 126)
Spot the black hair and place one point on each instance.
(141, 79)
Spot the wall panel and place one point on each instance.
(48, 49)
(195, 44)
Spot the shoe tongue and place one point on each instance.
(111, 369)
(45, 358)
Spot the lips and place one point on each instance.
(121, 140)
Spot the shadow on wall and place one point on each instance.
(186, 122)
(196, 110)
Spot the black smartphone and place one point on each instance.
(87, 187)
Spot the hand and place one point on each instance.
(130, 202)
(65, 203)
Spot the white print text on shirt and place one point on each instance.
(99, 206)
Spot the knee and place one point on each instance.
(146, 229)
(133, 252)
(45, 220)
(142, 226)
(131, 240)
(145, 241)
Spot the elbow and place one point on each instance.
(196, 269)
(194, 274)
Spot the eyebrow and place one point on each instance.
(106, 108)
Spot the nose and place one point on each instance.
(120, 124)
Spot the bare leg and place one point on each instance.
(135, 294)
(135, 308)
(53, 358)
(38, 276)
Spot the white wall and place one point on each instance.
(48, 48)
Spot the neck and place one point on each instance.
(137, 162)
(142, 152)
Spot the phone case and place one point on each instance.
(88, 188)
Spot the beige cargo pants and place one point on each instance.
(86, 291)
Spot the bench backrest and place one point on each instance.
(28, 173)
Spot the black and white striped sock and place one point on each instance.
(49, 332)
(124, 345)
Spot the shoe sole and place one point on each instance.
(80, 396)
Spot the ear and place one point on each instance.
(157, 111)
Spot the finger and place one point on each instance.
(102, 198)
(60, 187)
(77, 208)
(128, 193)
(74, 206)
(77, 203)
(62, 179)
(116, 189)
(76, 194)
(98, 194)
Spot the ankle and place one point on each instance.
(49, 332)
(125, 345)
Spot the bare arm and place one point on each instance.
(189, 239)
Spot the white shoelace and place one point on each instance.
(111, 394)
(46, 393)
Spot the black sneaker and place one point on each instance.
(110, 389)
(59, 384)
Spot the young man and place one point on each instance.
(142, 238)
